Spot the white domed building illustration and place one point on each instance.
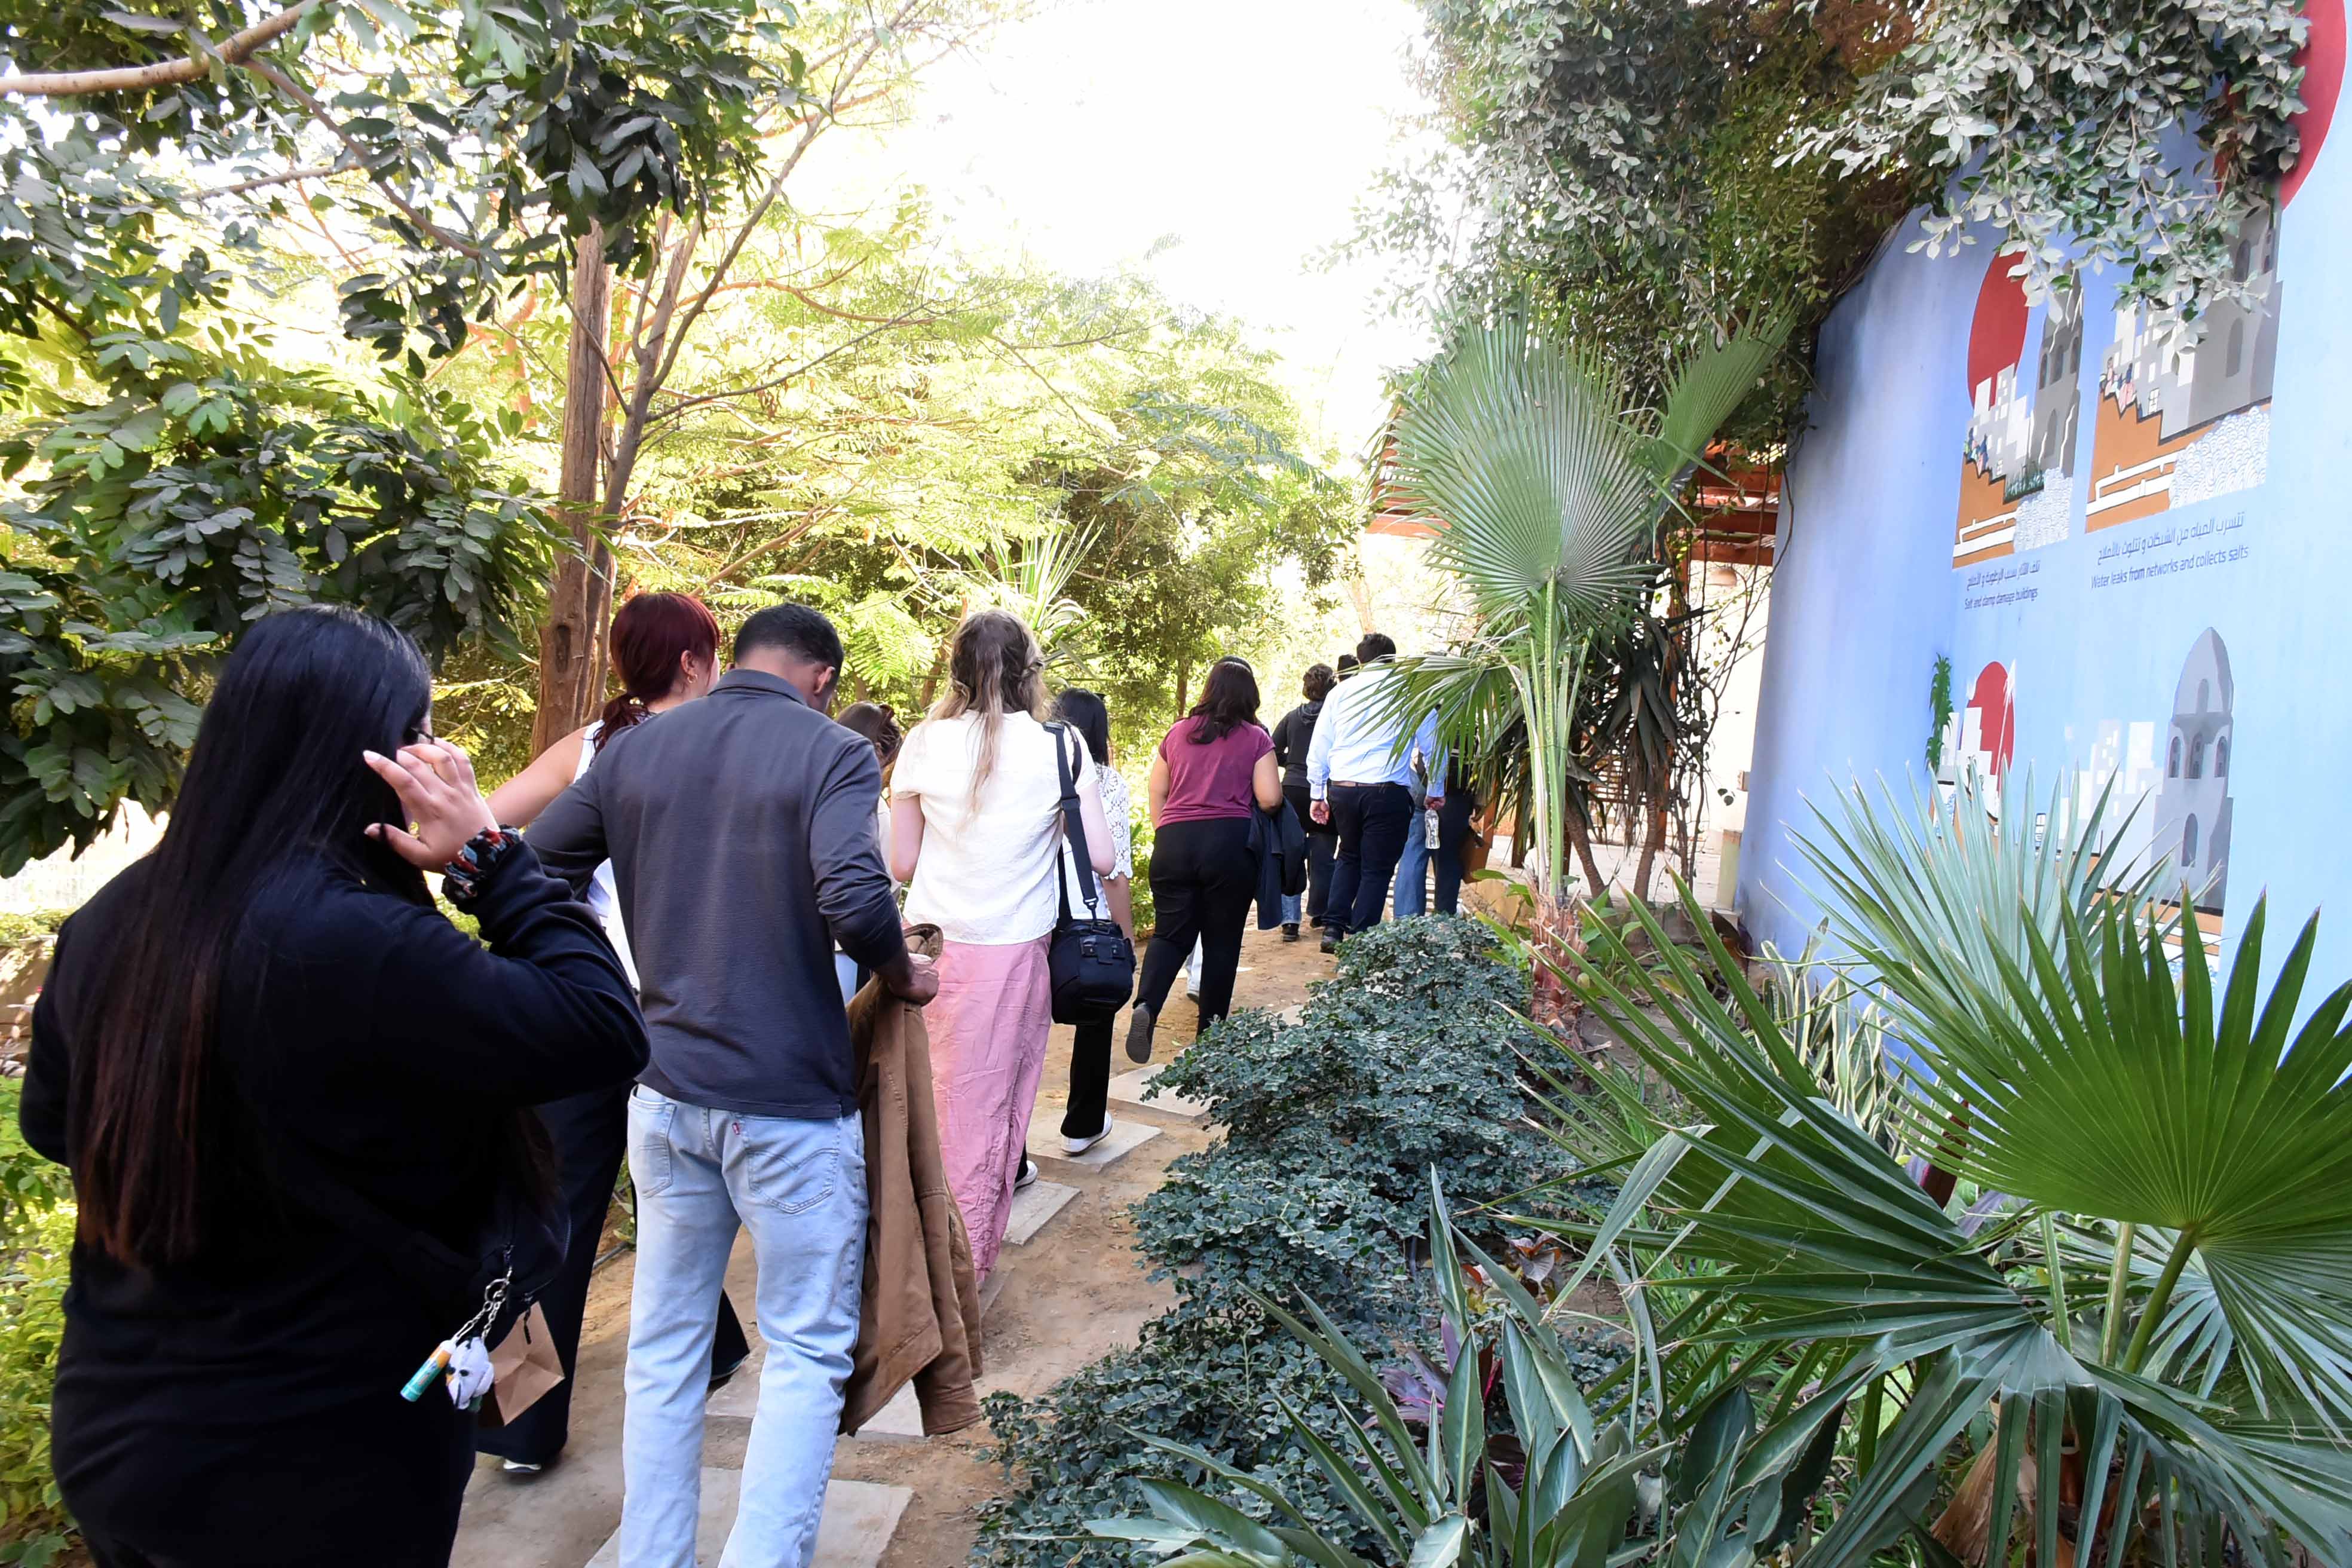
(2192, 802)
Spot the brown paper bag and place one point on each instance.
(526, 1367)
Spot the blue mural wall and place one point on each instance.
(2134, 545)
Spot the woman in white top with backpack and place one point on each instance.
(976, 832)
(664, 648)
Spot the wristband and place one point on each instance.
(461, 879)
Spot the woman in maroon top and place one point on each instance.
(1210, 771)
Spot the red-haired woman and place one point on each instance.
(664, 651)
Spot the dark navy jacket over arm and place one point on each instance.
(741, 833)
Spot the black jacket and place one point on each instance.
(261, 1381)
(1293, 734)
(740, 829)
(1279, 839)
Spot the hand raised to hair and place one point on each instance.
(435, 782)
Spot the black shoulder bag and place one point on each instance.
(1090, 960)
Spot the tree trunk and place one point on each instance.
(1580, 839)
(580, 593)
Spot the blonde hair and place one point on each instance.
(994, 668)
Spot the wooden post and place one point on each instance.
(580, 592)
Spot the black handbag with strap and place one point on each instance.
(1090, 959)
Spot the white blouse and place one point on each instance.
(985, 873)
(603, 899)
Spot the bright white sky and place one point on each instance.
(1237, 135)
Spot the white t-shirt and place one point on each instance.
(985, 874)
(604, 894)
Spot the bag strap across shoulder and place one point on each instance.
(1074, 826)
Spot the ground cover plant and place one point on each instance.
(1408, 1062)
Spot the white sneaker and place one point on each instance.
(1080, 1145)
(1028, 1176)
(521, 1467)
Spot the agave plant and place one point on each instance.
(2160, 1328)
(1561, 1489)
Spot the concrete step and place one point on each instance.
(1128, 1089)
(860, 1517)
(1032, 1208)
(1126, 1138)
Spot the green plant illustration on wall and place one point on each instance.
(1940, 711)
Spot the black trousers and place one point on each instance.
(1453, 832)
(1322, 849)
(1203, 879)
(1089, 1081)
(589, 1131)
(1372, 820)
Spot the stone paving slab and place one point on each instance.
(860, 1517)
(1033, 1206)
(900, 1421)
(1129, 1087)
(1126, 1138)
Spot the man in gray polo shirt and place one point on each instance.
(741, 829)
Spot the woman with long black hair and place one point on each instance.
(266, 1023)
(1208, 774)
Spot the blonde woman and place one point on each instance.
(976, 833)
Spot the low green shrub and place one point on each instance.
(35, 1248)
(1216, 1381)
(1319, 1189)
(35, 925)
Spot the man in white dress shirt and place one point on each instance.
(1359, 778)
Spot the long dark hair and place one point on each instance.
(1228, 702)
(276, 774)
(878, 722)
(1085, 712)
(650, 634)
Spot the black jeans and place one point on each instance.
(1452, 832)
(589, 1131)
(1322, 849)
(1203, 878)
(1089, 1081)
(1372, 820)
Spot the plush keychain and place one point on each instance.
(462, 1361)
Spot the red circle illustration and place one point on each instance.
(2323, 80)
(1997, 333)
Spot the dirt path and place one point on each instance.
(1074, 1293)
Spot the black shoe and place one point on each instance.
(1139, 1035)
(1290, 932)
(1330, 939)
(719, 1379)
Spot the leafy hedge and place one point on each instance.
(36, 1244)
(1320, 1186)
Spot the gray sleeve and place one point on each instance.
(853, 886)
(568, 837)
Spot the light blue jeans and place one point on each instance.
(800, 1186)
(1412, 870)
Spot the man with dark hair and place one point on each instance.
(741, 833)
(796, 632)
(1359, 778)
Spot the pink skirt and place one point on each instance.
(988, 1028)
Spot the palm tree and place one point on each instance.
(2151, 1297)
(1547, 493)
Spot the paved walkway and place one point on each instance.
(1072, 1292)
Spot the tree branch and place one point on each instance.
(232, 49)
(318, 112)
(290, 177)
